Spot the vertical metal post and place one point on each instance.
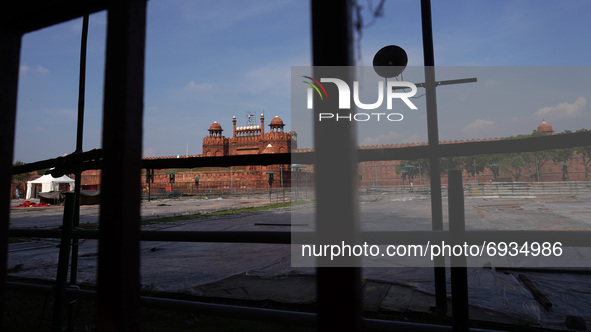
(433, 139)
(10, 43)
(62, 265)
(338, 288)
(150, 180)
(459, 273)
(119, 221)
(78, 175)
(82, 84)
(79, 139)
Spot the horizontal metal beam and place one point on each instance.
(529, 144)
(574, 238)
(31, 15)
(169, 236)
(237, 312)
(69, 164)
(92, 159)
(226, 161)
(449, 82)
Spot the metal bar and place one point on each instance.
(81, 85)
(447, 82)
(574, 238)
(433, 138)
(338, 289)
(227, 161)
(61, 279)
(457, 81)
(78, 175)
(221, 236)
(79, 140)
(71, 163)
(530, 144)
(91, 159)
(119, 220)
(438, 83)
(10, 43)
(459, 273)
(242, 312)
(27, 16)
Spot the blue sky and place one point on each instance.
(209, 60)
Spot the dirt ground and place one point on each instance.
(263, 272)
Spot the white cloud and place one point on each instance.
(192, 86)
(479, 127)
(563, 110)
(388, 138)
(42, 69)
(491, 83)
(416, 138)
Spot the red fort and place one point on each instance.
(250, 139)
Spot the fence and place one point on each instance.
(472, 189)
(276, 195)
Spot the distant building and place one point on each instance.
(544, 127)
(254, 139)
(250, 139)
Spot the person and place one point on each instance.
(18, 193)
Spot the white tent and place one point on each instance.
(49, 183)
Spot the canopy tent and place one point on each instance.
(49, 183)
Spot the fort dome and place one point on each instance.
(545, 127)
(215, 126)
(276, 121)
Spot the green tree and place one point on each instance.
(42, 172)
(513, 164)
(562, 155)
(451, 163)
(477, 164)
(585, 153)
(20, 179)
(537, 159)
(420, 171)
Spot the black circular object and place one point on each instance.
(390, 61)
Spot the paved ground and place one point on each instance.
(264, 272)
(49, 217)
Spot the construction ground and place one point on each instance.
(264, 273)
